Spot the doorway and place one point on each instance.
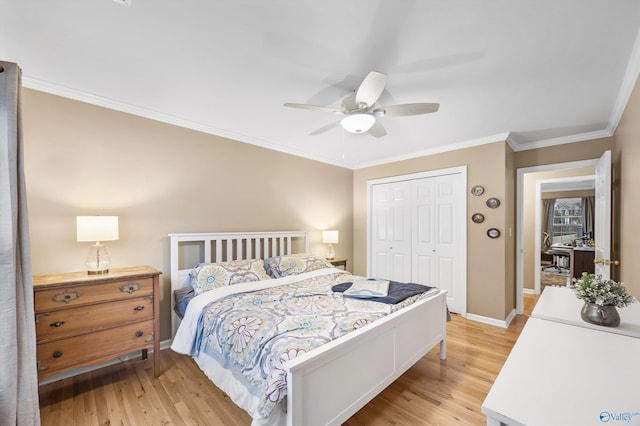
(564, 200)
(530, 181)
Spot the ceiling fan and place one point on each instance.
(358, 110)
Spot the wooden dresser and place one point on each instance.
(86, 319)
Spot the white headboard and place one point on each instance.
(187, 250)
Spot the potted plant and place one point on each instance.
(601, 298)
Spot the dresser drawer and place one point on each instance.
(84, 319)
(78, 295)
(82, 350)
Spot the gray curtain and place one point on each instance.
(588, 214)
(547, 222)
(18, 374)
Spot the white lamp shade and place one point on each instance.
(97, 228)
(330, 237)
(358, 122)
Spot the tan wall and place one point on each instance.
(577, 151)
(626, 196)
(528, 213)
(159, 179)
(486, 258)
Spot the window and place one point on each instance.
(567, 220)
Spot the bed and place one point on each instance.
(327, 383)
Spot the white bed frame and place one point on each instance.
(329, 384)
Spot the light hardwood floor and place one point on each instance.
(432, 392)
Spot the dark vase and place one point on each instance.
(600, 315)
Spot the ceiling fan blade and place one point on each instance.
(314, 108)
(403, 110)
(371, 88)
(325, 128)
(377, 130)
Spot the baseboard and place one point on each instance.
(76, 371)
(493, 321)
(529, 291)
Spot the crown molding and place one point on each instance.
(628, 83)
(502, 137)
(580, 137)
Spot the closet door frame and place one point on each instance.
(462, 170)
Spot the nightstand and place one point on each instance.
(338, 261)
(86, 319)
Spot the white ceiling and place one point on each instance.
(538, 72)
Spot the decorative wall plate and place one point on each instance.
(477, 190)
(493, 203)
(493, 233)
(477, 217)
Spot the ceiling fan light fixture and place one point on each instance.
(358, 122)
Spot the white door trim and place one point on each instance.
(462, 170)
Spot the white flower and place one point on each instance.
(241, 331)
(593, 289)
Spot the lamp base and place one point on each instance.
(331, 254)
(98, 260)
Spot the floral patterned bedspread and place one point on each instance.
(256, 333)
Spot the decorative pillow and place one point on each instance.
(207, 276)
(293, 264)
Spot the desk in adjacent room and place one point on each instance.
(582, 261)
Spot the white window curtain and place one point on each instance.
(18, 374)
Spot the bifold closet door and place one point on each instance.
(391, 231)
(438, 237)
(417, 233)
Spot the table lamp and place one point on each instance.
(330, 237)
(97, 229)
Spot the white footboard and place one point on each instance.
(331, 383)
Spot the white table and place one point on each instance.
(558, 374)
(561, 304)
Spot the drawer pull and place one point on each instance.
(138, 308)
(56, 324)
(57, 354)
(42, 367)
(139, 333)
(66, 296)
(130, 288)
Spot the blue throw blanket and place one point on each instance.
(397, 291)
